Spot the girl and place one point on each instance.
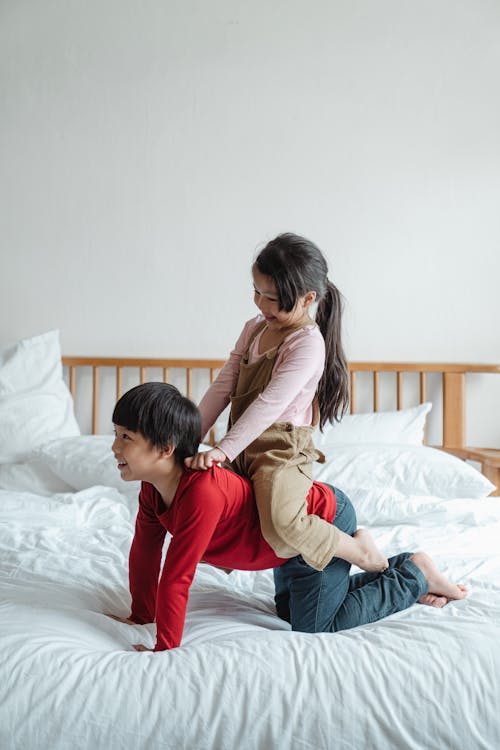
(286, 374)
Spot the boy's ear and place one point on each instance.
(167, 450)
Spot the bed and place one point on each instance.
(423, 678)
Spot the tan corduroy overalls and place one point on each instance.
(279, 465)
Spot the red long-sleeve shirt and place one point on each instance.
(213, 517)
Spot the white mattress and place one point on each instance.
(424, 678)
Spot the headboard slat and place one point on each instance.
(95, 398)
(423, 387)
(118, 382)
(352, 404)
(376, 390)
(453, 409)
(399, 386)
(72, 381)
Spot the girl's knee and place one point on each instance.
(284, 516)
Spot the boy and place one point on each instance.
(212, 517)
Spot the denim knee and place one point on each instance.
(345, 515)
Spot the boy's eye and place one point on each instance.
(121, 436)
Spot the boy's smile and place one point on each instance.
(136, 457)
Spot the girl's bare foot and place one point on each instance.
(438, 584)
(431, 600)
(369, 557)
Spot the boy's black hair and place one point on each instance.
(163, 416)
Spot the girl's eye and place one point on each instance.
(269, 299)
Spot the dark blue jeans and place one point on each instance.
(319, 601)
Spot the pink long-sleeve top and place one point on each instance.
(287, 398)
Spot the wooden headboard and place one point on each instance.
(374, 386)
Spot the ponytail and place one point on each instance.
(333, 388)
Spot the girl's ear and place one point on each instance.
(309, 298)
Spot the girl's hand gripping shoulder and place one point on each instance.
(205, 459)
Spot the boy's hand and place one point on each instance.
(120, 619)
(205, 459)
(140, 647)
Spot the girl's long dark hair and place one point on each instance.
(297, 266)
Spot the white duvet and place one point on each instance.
(422, 679)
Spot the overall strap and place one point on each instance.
(259, 328)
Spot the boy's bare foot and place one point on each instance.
(438, 584)
(369, 557)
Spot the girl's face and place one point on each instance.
(266, 299)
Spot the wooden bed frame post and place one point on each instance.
(454, 439)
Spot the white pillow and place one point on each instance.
(84, 461)
(31, 476)
(411, 469)
(405, 426)
(87, 460)
(35, 403)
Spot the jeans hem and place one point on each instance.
(417, 573)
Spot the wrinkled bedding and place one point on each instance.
(423, 678)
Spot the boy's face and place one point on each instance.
(137, 458)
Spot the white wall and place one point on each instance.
(149, 148)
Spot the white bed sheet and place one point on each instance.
(424, 678)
